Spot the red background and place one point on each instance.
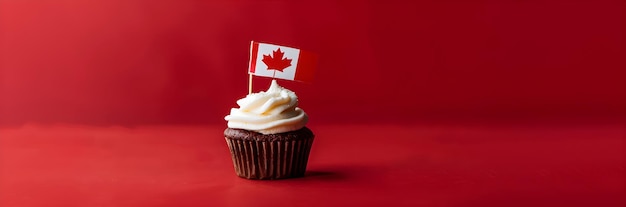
(407, 81)
(136, 62)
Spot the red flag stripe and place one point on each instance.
(254, 50)
(307, 62)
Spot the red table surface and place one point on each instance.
(350, 165)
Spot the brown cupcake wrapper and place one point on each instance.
(270, 159)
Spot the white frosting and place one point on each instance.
(271, 112)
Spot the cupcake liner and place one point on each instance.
(270, 159)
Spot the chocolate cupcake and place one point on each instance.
(267, 136)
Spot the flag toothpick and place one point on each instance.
(250, 83)
(276, 61)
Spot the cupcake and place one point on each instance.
(267, 136)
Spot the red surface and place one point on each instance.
(98, 99)
(350, 165)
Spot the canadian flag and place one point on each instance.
(281, 62)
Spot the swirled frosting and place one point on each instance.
(268, 112)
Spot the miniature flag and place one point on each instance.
(281, 62)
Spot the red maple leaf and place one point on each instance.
(277, 62)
